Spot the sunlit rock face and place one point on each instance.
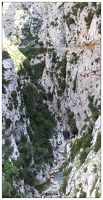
(51, 84)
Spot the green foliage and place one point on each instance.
(94, 109)
(83, 156)
(42, 123)
(10, 171)
(7, 142)
(94, 168)
(29, 177)
(5, 55)
(82, 5)
(97, 145)
(98, 10)
(75, 148)
(94, 4)
(97, 194)
(87, 138)
(72, 121)
(54, 24)
(61, 80)
(73, 127)
(10, 107)
(82, 195)
(38, 71)
(85, 169)
(25, 152)
(78, 5)
(7, 149)
(89, 18)
(54, 57)
(67, 171)
(14, 96)
(62, 64)
(6, 188)
(74, 84)
(3, 89)
(75, 8)
(70, 21)
(8, 122)
(63, 186)
(31, 52)
(83, 142)
(90, 98)
(4, 82)
(99, 28)
(50, 96)
(58, 103)
(19, 162)
(69, 113)
(41, 44)
(62, 86)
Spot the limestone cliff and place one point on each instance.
(51, 77)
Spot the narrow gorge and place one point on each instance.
(51, 100)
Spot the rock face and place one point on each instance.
(84, 180)
(51, 84)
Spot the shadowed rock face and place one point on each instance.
(66, 135)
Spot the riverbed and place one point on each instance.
(54, 182)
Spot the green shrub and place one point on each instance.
(85, 169)
(38, 71)
(7, 142)
(89, 18)
(5, 55)
(50, 96)
(14, 96)
(94, 109)
(31, 52)
(8, 122)
(97, 194)
(73, 127)
(98, 10)
(82, 195)
(63, 68)
(87, 138)
(74, 83)
(99, 28)
(6, 188)
(70, 21)
(62, 86)
(82, 5)
(67, 171)
(41, 44)
(3, 89)
(69, 113)
(75, 8)
(19, 162)
(25, 152)
(97, 145)
(78, 5)
(94, 168)
(63, 186)
(71, 121)
(83, 156)
(29, 177)
(10, 107)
